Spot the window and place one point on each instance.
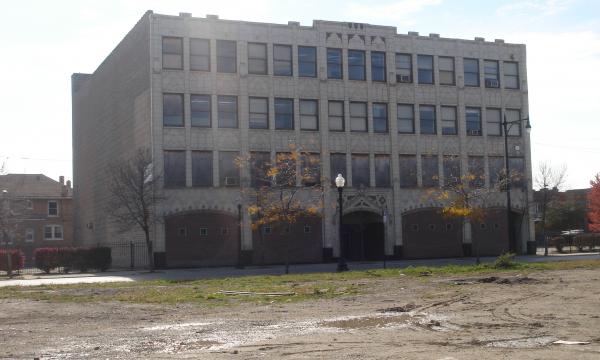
(267, 230)
(429, 171)
(334, 64)
(476, 171)
(425, 69)
(282, 60)
(449, 120)
(259, 113)
(377, 66)
(29, 235)
(202, 168)
(427, 119)
(493, 122)
(356, 65)
(172, 53)
(310, 169)
(382, 170)
(287, 164)
(408, 171)
(224, 231)
(200, 54)
(203, 231)
(496, 169)
(403, 68)
(174, 168)
(360, 170)
(182, 232)
(200, 110)
(471, 68)
(227, 111)
(511, 75)
(517, 171)
(52, 208)
(513, 115)
(309, 115)
(337, 165)
(53, 232)
(229, 173)
(307, 61)
(284, 114)
(172, 109)
(446, 68)
(257, 58)
(358, 116)
(226, 56)
(259, 165)
(406, 119)
(491, 74)
(307, 229)
(336, 116)
(473, 116)
(28, 204)
(380, 118)
(451, 168)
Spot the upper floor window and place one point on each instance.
(227, 111)
(513, 115)
(52, 208)
(257, 58)
(172, 53)
(517, 171)
(429, 171)
(425, 67)
(229, 172)
(202, 168)
(307, 61)
(493, 122)
(334, 64)
(356, 65)
(53, 232)
(337, 165)
(310, 169)
(382, 170)
(309, 115)
(406, 119)
(284, 114)
(172, 109)
(380, 118)
(174, 168)
(471, 69)
(476, 171)
(473, 117)
(29, 235)
(336, 116)
(449, 120)
(259, 166)
(282, 60)
(377, 66)
(403, 68)
(446, 68)
(360, 170)
(511, 75)
(259, 113)
(226, 56)
(200, 54)
(200, 110)
(408, 171)
(427, 119)
(358, 116)
(496, 169)
(451, 169)
(491, 74)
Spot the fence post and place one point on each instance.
(132, 255)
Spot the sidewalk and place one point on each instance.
(221, 272)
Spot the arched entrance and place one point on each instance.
(363, 234)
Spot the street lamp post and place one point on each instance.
(507, 125)
(339, 183)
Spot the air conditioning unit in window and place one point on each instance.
(403, 78)
(231, 181)
(491, 83)
(474, 132)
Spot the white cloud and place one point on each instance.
(399, 12)
(534, 8)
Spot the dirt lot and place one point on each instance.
(491, 316)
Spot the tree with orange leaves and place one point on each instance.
(594, 204)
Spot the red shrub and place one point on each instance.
(17, 260)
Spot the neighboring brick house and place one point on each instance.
(42, 210)
(578, 198)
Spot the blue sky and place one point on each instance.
(45, 41)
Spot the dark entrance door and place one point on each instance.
(364, 237)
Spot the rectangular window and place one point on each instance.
(229, 172)
(511, 75)
(282, 60)
(174, 168)
(226, 56)
(403, 68)
(173, 110)
(429, 171)
(227, 111)
(377, 66)
(358, 116)
(449, 120)
(52, 208)
(406, 119)
(427, 119)
(53, 232)
(446, 68)
(382, 170)
(356, 65)
(517, 171)
(491, 73)
(471, 69)
(473, 117)
(493, 122)
(200, 110)
(408, 171)
(496, 169)
(257, 58)
(451, 165)
(200, 54)
(29, 235)
(337, 165)
(336, 116)
(476, 171)
(286, 166)
(334, 64)
(310, 169)
(513, 115)
(259, 166)
(172, 53)
(259, 113)
(425, 69)
(307, 61)
(202, 168)
(360, 170)
(309, 115)
(284, 114)
(380, 118)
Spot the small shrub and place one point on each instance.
(559, 242)
(73, 258)
(17, 260)
(505, 261)
(47, 259)
(589, 240)
(99, 258)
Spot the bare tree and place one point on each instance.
(133, 197)
(549, 180)
(12, 209)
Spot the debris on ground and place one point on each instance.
(567, 342)
(231, 292)
(399, 309)
(497, 280)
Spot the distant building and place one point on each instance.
(576, 198)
